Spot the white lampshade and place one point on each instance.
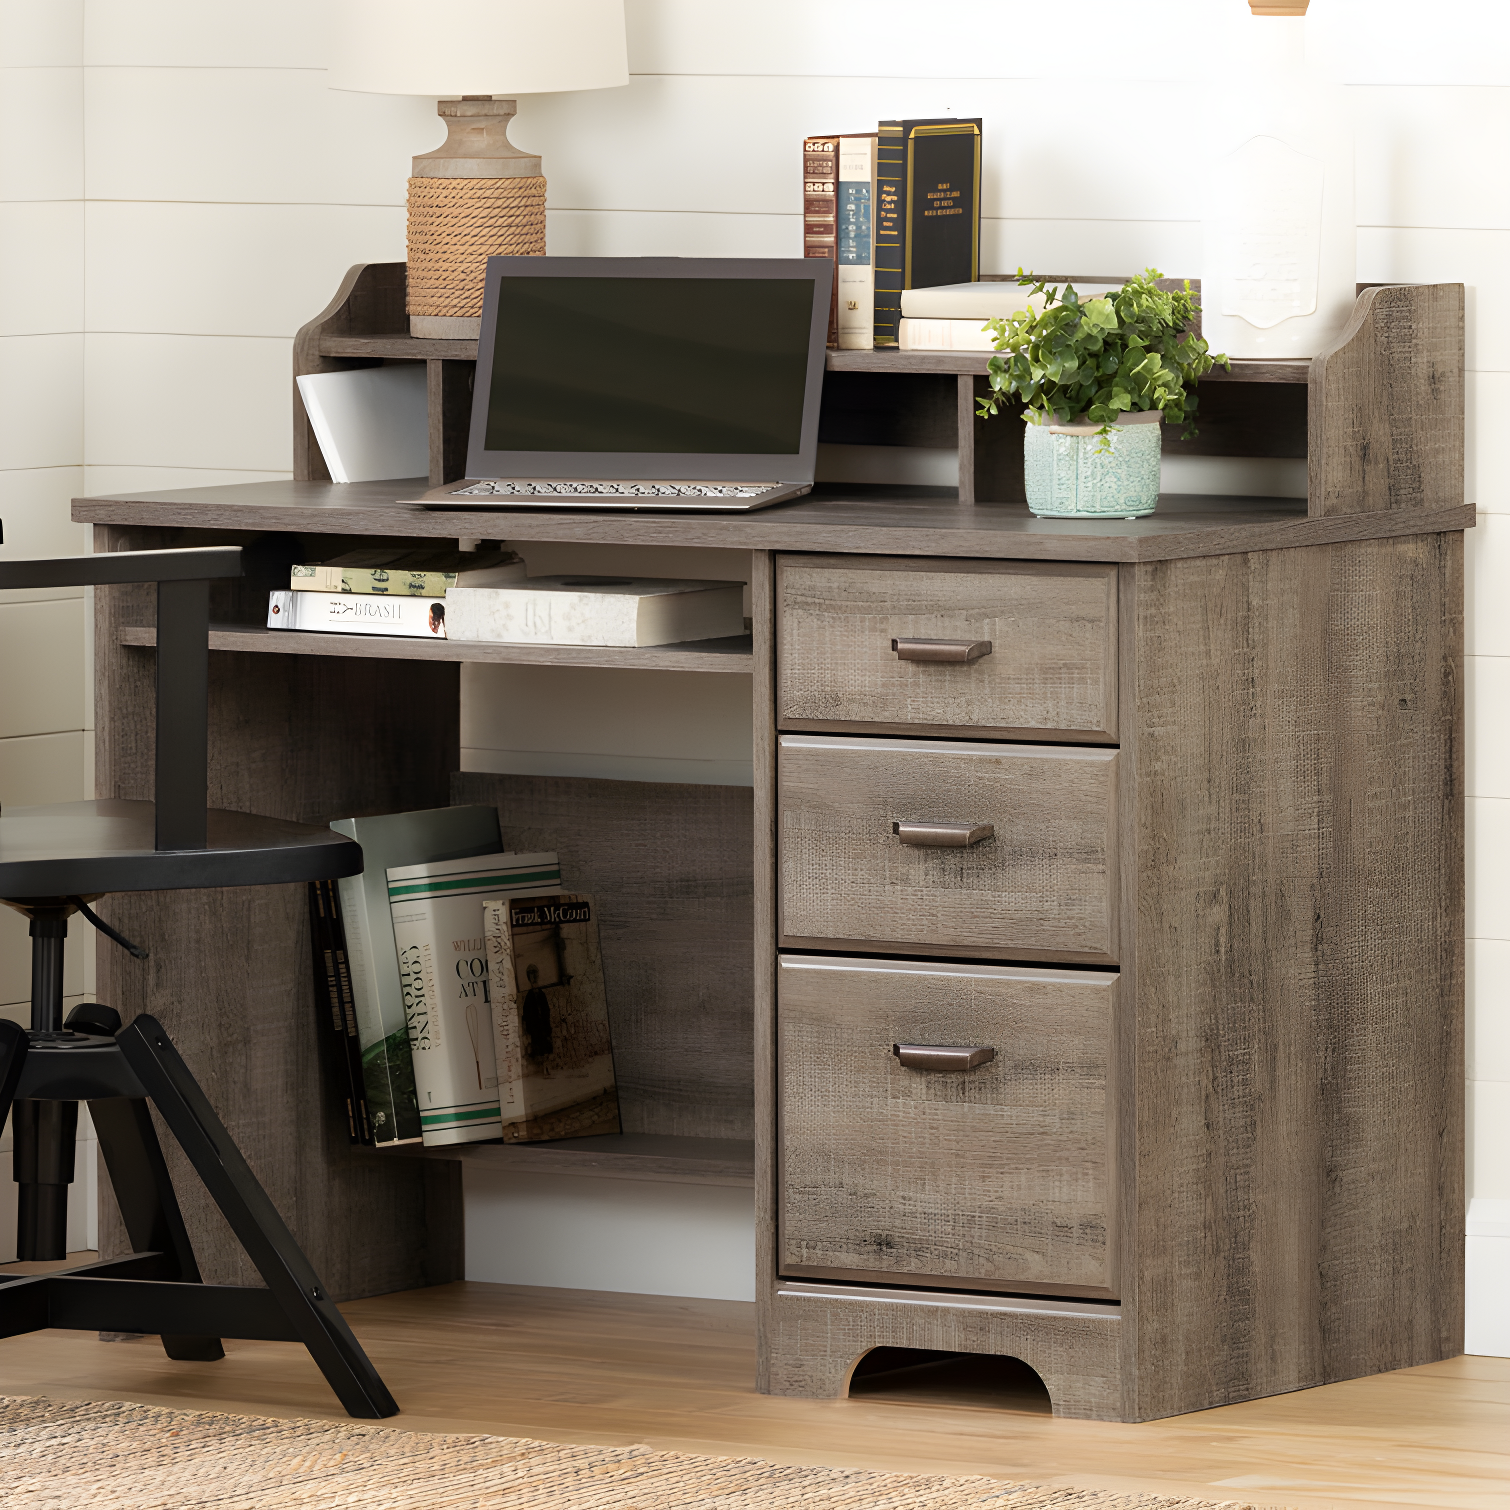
(476, 47)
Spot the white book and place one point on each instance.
(372, 423)
(983, 301)
(441, 833)
(944, 335)
(443, 970)
(856, 239)
(596, 611)
(357, 613)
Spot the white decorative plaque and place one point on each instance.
(1267, 231)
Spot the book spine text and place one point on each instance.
(820, 173)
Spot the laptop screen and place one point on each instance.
(649, 368)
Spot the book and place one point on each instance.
(820, 173)
(328, 1012)
(855, 219)
(372, 423)
(944, 335)
(553, 1047)
(337, 1009)
(357, 613)
(927, 211)
(991, 300)
(413, 574)
(444, 833)
(443, 969)
(597, 611)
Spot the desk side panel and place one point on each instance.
(1298, 733)
(309, 739)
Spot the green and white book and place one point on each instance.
(443, 968)
(442, 833)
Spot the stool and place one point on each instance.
(54, 861)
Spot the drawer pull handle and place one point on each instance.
(920, 1056)
(941, 650)
(937, 835)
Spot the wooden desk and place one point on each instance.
(1216, 939)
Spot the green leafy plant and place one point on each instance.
(1079, 360)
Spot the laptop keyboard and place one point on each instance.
(615, 489)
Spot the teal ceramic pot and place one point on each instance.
(1071, 475)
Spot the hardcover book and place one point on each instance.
(550, 1019)
(443, 833)
(820, 173)
(928, 211)
(596, 611)
(330, 1011)
(412, 574)
(855, 283)
(443, 970)
(357, 613)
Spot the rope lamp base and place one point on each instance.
(455, 225)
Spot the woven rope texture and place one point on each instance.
(455, 225)
(68, 1455)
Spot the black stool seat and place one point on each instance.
(88, 848)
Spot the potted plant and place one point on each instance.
(1096, 377)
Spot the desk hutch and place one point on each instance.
(1214, 937)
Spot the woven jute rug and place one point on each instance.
(57, 1453)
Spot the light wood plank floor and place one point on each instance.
(573, 1366)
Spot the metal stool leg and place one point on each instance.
(139, 1176)
(44, 1134)
(254, 1219)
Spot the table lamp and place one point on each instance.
(476, 195)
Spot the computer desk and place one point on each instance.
(1215, 937)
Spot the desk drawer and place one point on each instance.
(996, 1177)
(1051, 670)
(1041, 885)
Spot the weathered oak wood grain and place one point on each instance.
(993, 1178)
(1299, 976)
(1043, 887)
(670, 869)
(1387, 404)
(1051, 673)
(309, 739)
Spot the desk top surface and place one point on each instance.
(834, 517)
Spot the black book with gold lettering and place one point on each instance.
(927, 213)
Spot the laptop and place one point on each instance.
(667, 383)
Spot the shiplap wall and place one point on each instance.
(179, 191)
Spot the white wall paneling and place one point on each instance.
(193, 34)
(1489, 1139)
(41, 267)
(167, 269)
(1489, 1026)
(1487, 688)
(41, 400)
(1488, 874)
(239, 135)
(36, 35)
(42, 108)
(219, 402)
(42, 687)
(1486, 577)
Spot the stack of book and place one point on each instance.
(383, 592)
(953, 316)
(486, 596)
(897, 208)
(461, 989)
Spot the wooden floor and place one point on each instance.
(573, 1366)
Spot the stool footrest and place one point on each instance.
(158, 1307)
